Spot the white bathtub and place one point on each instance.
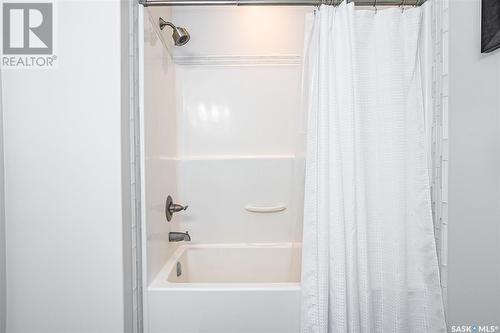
(227, 288)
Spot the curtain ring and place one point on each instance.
(375, 6)
(402, 5)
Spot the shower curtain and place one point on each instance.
(369, 255)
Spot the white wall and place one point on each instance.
(253, 30)
(474, 197)
(3, 295)
(245, 109)
(63, 180)
(238, 103)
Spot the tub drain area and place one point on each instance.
(179, 269)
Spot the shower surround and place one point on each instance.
(222, 133)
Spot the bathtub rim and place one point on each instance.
(161, 283)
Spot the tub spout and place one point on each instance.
(179, 236)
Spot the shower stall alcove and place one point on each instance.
(223, 99)
(222, 131)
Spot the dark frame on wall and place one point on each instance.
(490, 25)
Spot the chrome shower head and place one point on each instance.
(179, 35)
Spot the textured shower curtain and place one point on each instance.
(369, 254)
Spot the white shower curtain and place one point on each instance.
(369, 254)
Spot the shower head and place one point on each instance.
(179, 35)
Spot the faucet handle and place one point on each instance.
(171, 208)
(174, 208)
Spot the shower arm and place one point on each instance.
(164, 23)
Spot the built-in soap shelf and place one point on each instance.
(265, 209)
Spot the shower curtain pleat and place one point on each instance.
(369, 256)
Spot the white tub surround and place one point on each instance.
(221, 124)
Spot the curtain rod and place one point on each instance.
(377, 3)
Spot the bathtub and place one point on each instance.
(227, 288)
